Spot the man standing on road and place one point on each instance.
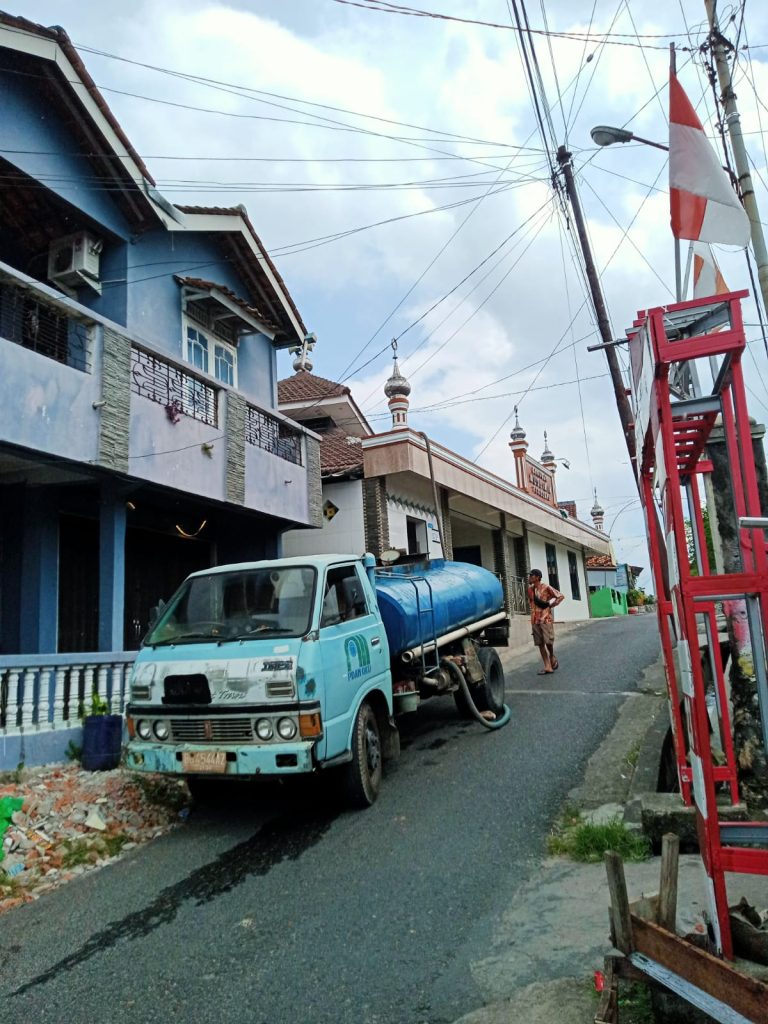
(542, 599)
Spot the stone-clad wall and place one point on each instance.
(314, 481)
(375, 515)
(114, 423)
(236, 412)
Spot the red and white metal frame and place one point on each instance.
(670, 445)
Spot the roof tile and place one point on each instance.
(305, 386)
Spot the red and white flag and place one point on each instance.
(707, 279)
(703, 204)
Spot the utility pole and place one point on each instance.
(619, 389)
(728, 97)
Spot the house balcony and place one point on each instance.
(79, 388)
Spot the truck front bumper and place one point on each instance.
(248, 759)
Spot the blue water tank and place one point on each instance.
(459, 593)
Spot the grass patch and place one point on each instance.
(88, 851)
(587, 843)
(635, 1004)
(633, 754)
(9, 887)
(161, 791)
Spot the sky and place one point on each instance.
(327, 118)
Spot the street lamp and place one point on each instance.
(605, 135)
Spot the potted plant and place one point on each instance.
(102, 737)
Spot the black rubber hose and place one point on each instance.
(458, 675)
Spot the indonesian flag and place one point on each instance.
(703, 205)
(707, 279)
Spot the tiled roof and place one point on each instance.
(340, 453)
(600, 562)
(240, 211)
(305, 386)
(203, 285)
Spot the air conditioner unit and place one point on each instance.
(73, 261)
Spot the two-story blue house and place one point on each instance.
(139, 434)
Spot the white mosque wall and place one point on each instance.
(572, 609)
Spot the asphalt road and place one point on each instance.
(281, 907)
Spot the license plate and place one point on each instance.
(204, 761)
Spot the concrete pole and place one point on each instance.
(739, 150)
(619, 389)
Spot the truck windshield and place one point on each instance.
(249, 604)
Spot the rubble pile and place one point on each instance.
(70, 821)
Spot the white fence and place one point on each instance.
(41, 692)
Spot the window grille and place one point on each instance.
(573, 570)
(33, 323)
(271, 435)
(159, 381)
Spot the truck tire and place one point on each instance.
(489, 695)
(362, 776)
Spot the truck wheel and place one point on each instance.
(489, 695)
(362, 776)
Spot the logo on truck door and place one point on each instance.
(358, 656)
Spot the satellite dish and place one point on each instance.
(388, 557)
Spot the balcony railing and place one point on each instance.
(272, 435)
(160, 381)
(35, 323)
(41, 692)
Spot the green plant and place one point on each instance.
(635, 1004)
(88, 851)
(98, 705)
(633, 754)
(74, 752)
(587, 842)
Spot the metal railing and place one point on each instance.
(272, 435)
(41, 692)
(518, 595)
(29, 320)
(180, 392)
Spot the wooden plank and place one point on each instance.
(670, 853)
(620, 915)
(608, 1007)
(746, 995)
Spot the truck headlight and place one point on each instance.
(144, 729)
(286, 728)
(264, 729)
(161, 730)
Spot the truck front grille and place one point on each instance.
(226, 729)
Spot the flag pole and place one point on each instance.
(728, 99)
(678, 273)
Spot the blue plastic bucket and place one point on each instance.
(102, 742)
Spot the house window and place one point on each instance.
(212, 355)
(197, 349)
(417, 536)
(551, 553)
(573, 569)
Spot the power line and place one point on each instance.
(471, 273)
(388, 8)
(224, 85)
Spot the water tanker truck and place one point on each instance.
(298, 664)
